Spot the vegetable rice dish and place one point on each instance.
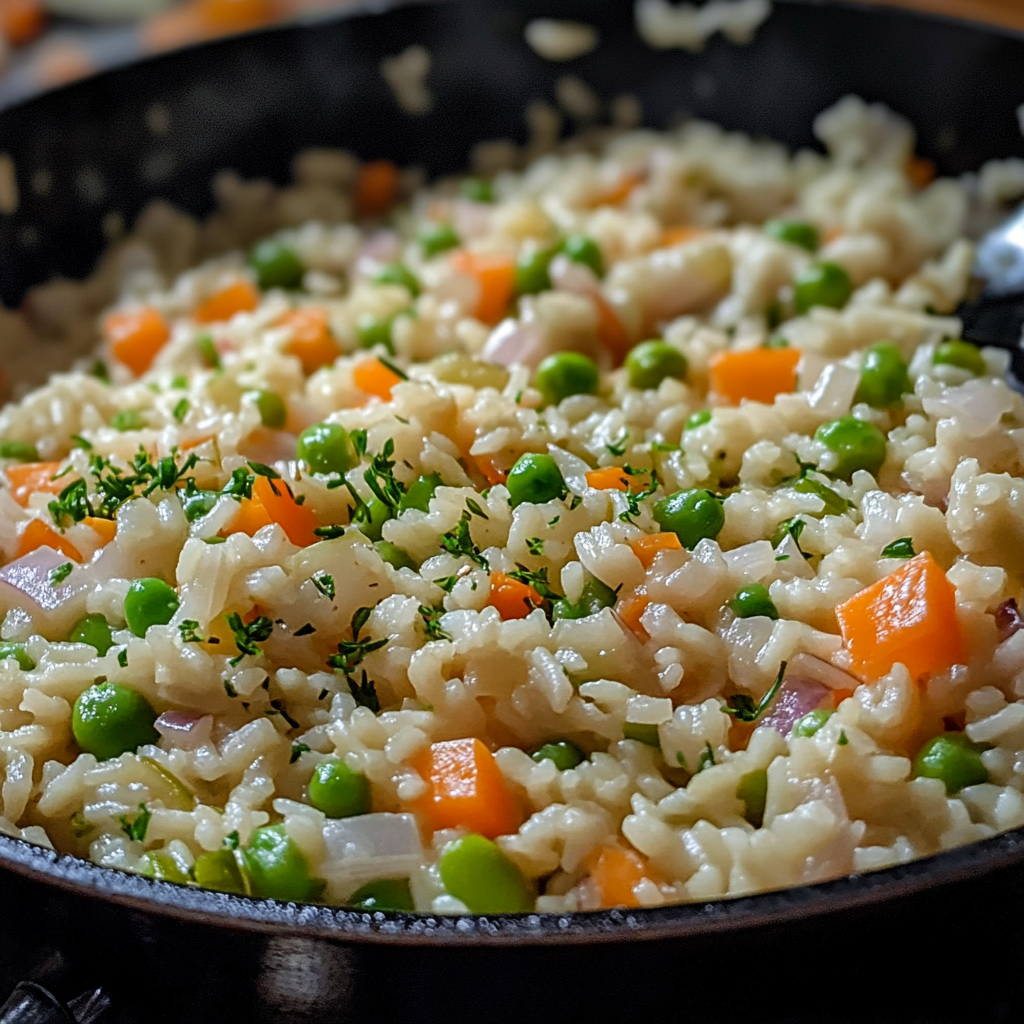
(626, 527)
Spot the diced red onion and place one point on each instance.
(471, 220)
(30, 577)
(1008, 619)
(187, 730)
(382, 247)
(568, 276)
(797, 696)
(512, 342)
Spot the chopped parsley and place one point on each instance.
(538, 579)
(232, 839)
(706, 759)
(394, 368)
(790, 528)
(360, 618)
(122, 658)
(180, 410)
(208, 351)
(298, 749)
(188, 630)
(307, 630)
(458, 541)
(447, 583)
(618, 446)
(680, 759)
(535, 546)
(742, 707)
(475, 508)
(432, 623)
(248, 635)
(324, 582)
(902, 548)
(60, 574)
(240, 484)
(365, 692)
(329, 532)
(633, 500)
(843, 740)
(136, 828)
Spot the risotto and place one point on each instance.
(630, 528)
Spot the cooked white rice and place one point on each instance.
(641, 821)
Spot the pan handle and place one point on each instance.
(1007, 13)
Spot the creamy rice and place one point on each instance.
(663, 805)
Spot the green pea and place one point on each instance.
(954, 759)
(477, 189)
(594, 596)
(883, 376)
(277, 868)
(277, 265)
(642, 732)
(962, 354)
(651, 362)
(338, 791)
(398, 273)
(532, 271)
(93, 630)
(128, 419)
(19, 654)
(220, 871)
(752, 601)
(419, 493)
(822, 284)
(20, 450)
(109, 719)
(196, 503)
(150, 602)
(811, 722)
(159, 864)
(326, 448)
(753, 791)
(697, 419)
(856, 444)
(372, 331)
(387, 894)
(535, 478)
(476, 872)
(795, 232)
(395, 556)
(273, 412)
(581, 249)
(438, 238)
(567, 373)
(692, 515)
(371, 517)
(565, 755)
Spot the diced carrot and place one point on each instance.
(465, 789)
(491, 473)
(29, 477)
(757, 374)
(240, 297)
(618, 192)
(647, 548)
(740, 734)
(631, 610)
(106, 528)
(235, 15)
(135, 337)
(195, 442)
(838, 696)
(277, 499)
(38, 535)
(513, 599)
(250, 518)
(373, 377)
(920, 171)
(21, 20)
(610, 479)
(610, 331)
(496, 276)
(681, 233)
(616, 873)
(312, 342)
(376, 188)
(908, 617)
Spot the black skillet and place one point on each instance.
(938, 940)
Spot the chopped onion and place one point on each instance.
(512, 342)
(269, 446)
(574, 470)
(755, 560)
(568, 276)
(1008, 619)
(373, 846)
(187, 730)
(977, 405)
(834, 390)
(29, 576)
(797, 696)
(807, 666)
(471, 220)
(381, 247)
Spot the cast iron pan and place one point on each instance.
(860, 948)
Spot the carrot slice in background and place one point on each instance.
(373, 377)
(312, 342)
(106, 528)
(236, 15)
(920, 171)
(681, 233)
(619, 192)
(298, 521)
(29, 477)
(136, 336)
(513, 599)
(908, 617)
(496, 276)
(21, 20)
(465, 789)
(376, 188)
(38, 535)
(616, 873)
(610, 331)
(648, 547)
(757, 374)
(631, 610)
(240, 297)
